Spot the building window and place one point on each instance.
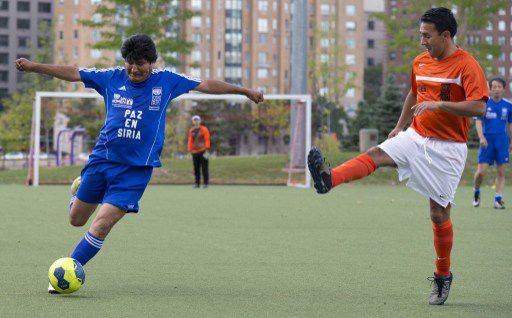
(196, 38)
(75, 53)
(75, 18)
(263, 25)
(61, 19)
(4, 40)
(262, 58)
(392, 56)
(196, 4)
(324, 42)
(4, 5)
(23, 6)
(351, 43)
(61, 35)
(371, 25)
(370, 61)
(196, 56)
(371, 43)
(44, 7)
(4, 22)
(263, 38)
(4, 76)
(501, 40)
(96, 35)
(195, 72)
(502, 25)
(350, 59)
(196, 22)
(95, 53)
(488, 39)
(262, 73)
(23, 24)
(351, 93)
(75, 34)
(263, 5)
(324, 9)
(324, 58)
(350, 10)
(23, 41)
(4, 58)
(350, 25)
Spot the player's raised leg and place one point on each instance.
(500, 185)
(443, 240)
(359, 167)
(477, 182)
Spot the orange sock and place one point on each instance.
(357, 168)
(443, 240)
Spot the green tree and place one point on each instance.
(472, 16)
(388, 108)
(16, 119)
(372, 82)
(160, 19)
(366, 117)
(271, 121)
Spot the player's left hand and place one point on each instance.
(255, 96)
(420, 108)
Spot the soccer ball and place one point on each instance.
(66, 275)
(75, 185)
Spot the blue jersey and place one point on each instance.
(496, 117)
(133, 132)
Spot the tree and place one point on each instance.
(271, 121)
(388, 108)
(160, 19)
(16, 119)
(472, 16)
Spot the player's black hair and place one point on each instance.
(442, 18)
(499, 80)
(138, 47)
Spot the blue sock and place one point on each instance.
(87, 248)
(498, 197)
(476, 191)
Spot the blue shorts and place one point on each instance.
(114, 183)
(496, 151)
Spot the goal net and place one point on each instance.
(265, 143)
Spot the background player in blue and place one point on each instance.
(131, 139)
(494, 133)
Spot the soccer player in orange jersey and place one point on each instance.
(448, 87)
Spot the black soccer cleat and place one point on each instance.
(320, 171)
(440, 289)
(476, 200)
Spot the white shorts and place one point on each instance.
(434, 167)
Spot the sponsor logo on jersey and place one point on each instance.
(122, 102)
(156, 98)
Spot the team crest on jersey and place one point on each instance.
(504, 113)
(156, 98)
(122, 102)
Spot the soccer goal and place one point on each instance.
(268, 141)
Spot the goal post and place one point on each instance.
(304, 102)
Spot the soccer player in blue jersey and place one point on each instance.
(494, 133)
(130, 142)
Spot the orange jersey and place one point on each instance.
(198, 139)
(457, 78)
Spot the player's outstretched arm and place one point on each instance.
(467, 108)
(67, 73)
(219, 87)
(406, 114)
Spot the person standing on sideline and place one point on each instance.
(199, 148)
(494, 133)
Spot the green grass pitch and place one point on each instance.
(235, 251)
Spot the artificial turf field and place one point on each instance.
(235, 251)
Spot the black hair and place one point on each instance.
(442, 18)
(499, 80)
(138, 47)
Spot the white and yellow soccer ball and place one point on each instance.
(75, 185)
(66, 275)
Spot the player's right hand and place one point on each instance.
(255, 96)
(394, 132)
(483, 142)
(24, 65)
